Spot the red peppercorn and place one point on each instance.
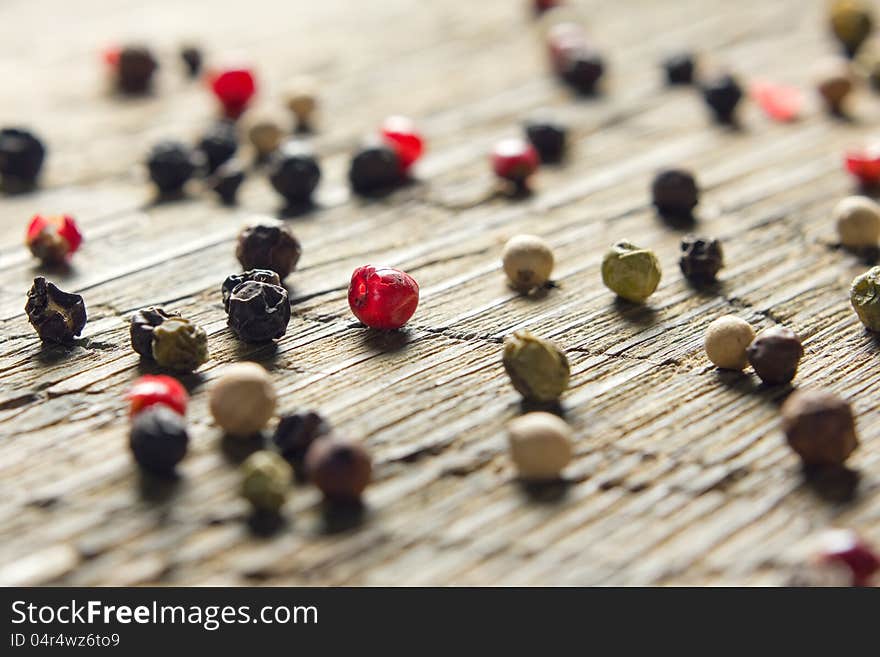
(844, 546)
(543, 5)
(53, 239)
(382, 297)
(234, 88)
(111, 56)
(402, 137)
(151, 390)
(864, 164)
(778, 101)
(515, 160)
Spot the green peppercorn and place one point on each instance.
(865, 297)
(143, 322)
(851, 23)
(537, 368)
(631, 272)
(266, 479)
(178, 344)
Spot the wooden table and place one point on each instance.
(681, 474)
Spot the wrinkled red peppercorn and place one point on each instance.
(515, 160)
(53, 239)
(845, 547)
(401, 135)
(151, 390)
(382, 297)
(864, 164)
(234, 88)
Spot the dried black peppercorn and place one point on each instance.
(21, 158)
(258, 312)
(374, 169)
(171, 165)
(701, 258)
(775, 353)
(294, 172)
(233, 281)
(158, 438)
(192, 58)
(268, 245)
(581, 68)
(674, 193)
(226, 181)
(548, 138)
(679, 68)
(56, 316)
(722, 94)
(296, 432)
(218, 145)
(141, 328)
(135, 69)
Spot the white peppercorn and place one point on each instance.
(243, 399)
(540, 445)
(858, 222)
(726, 341)
(527, 261)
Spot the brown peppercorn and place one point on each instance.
(775, 353)
(701, 258)
(819, 426)
(834, 82)
(268, 244)
(180, 345)
(141, 328)
(537, 368)
(302, 101)
(135, 69)
(851, 22)
(675, 193)
(56, 316)
(341, 469)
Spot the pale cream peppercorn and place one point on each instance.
(264, 130)
(243, 399)
(540, 445)
(726, 341)
(527, 261)
(858, 222)
(301, 99)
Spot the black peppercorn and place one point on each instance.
(192, 59)
(21, 158)
(294, 172)
(548, 138)
(775, 353)
(268, 245)
(226, 181)
(234, 280)
(141, 328)
(581, 68)
(258, 312)
(722, 94)
(679, 68)
(701, 258)
(218, 144)
(375, 169)
(171, 165)
(135, 69)
(158, 438)
(675, 193)
(296, 432)
(56, 316)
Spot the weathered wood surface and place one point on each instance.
(681, 473)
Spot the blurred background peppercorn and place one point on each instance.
(722, 95)
(819, 426)
(294, 172)
(158, 438)
(171, 164)
(265, 480)
(549, 139)
(852, 22)
(675, 193)
(218, 144)
(21, 158)
(296, 432)
(226, 181)
(374, 169)
(341, 469)
(679, 68)
(55, 315)
(302, 100)
(268, 244)
(243, 398)
(192, 59)
(135, 66)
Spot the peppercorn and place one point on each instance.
(268, 244)
(171, 165)
(679, 68)
(701, 258)
(21, 158)
(548, 138)
(864, 164)
(834, 83)
(264, 131)
(540, 445)
(234, 88)
(150, 390)
(302, 101)
(726, 340)
(258, 312)
(178, 344)
(55, 315)
(218, 145)
(375, 169)
(53, 239)
(400, 134)
(134, 69)
(774, 354)
(158, 439)
(226, 181)
(265, 480)
(537, 368)
(675, 193)
(846, 548)
(233, 281)
(141, 328)
(341, 469)
(851, 22)
(631, 272)
(192, 59)
(294, 172)
(296, 432)
(515, 160)
(780, 102)
(819, 426)
(858, 222)
(382, 297)
(527, 261)
(722, 94)
(864, 294)
(243, 399)
(540, 6)
(573, 58)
